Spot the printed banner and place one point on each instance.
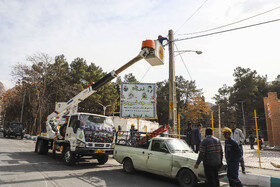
(138, 100)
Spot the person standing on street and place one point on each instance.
(233, 154)
(196, 138)
(251, 140)
(188, 134)
(239, 138)
(211, 153)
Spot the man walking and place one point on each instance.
(188, 134)
(233, 154)
(211, 154)
(196, 138)
(238, 136)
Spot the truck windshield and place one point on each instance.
(178, 145)
(96, 122)
(16, 125)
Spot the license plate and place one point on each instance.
(100, 151)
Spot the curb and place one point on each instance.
(27, 136)
(258, 180)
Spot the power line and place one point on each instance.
(191, 16)
(145, 73)
(229, 30)
(183, 62)
(239, 21)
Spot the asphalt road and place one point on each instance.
(21, 166)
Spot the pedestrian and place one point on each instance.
(251, 140)
(196, 137)
(161, 39)
(239, 138)
(232, 154)
(211, 153)
(188, 134)
(260, 142)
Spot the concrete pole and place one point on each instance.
(219, 112)
(22, 106)
(244, 127)
(172, 117)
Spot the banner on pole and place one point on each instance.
(138, 100)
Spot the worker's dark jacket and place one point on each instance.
(232, 151)
(196, 136)
(211, 152)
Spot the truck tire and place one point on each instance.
(41, 147)
(128, 166)
(62, 129)
(69, 156)
(4, 134)
(187, 178)
(102, 159)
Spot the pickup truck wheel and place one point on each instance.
(69, 157)
(186, 178)
(128, 165)
(102, 159)
(41, 147)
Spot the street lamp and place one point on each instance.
(185, 51)
(104, 107)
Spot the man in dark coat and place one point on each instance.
(188, 134)
(211, 153)
(233, 154)
(196, 138)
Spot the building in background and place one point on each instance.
(272, 115)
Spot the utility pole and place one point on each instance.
(22, 106)
(244, 127)
(219, 112)
(172, 117)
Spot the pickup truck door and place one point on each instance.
(159, 161)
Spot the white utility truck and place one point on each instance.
(82, 134)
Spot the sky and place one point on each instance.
(109, 33)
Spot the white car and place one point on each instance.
(164, 156)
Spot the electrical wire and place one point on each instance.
(183, 61)
(239, 21)
(190, 16)
(145, 73)
(229, 30)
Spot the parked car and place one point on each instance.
(13, 129)
(169, 157)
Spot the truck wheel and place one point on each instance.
(128, 165)
(102, 159)
(69, 157)
(186, 178)
(41, 147)
(4, 134)
(62, 129)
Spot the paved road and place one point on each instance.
(21, 166)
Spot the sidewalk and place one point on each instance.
(265, 175)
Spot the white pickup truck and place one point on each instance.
(170, 157)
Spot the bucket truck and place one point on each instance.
(83, 134)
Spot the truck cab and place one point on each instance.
(13, 129)
(83, 134)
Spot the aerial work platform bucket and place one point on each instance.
(156, 55)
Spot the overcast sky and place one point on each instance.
(109, 33)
